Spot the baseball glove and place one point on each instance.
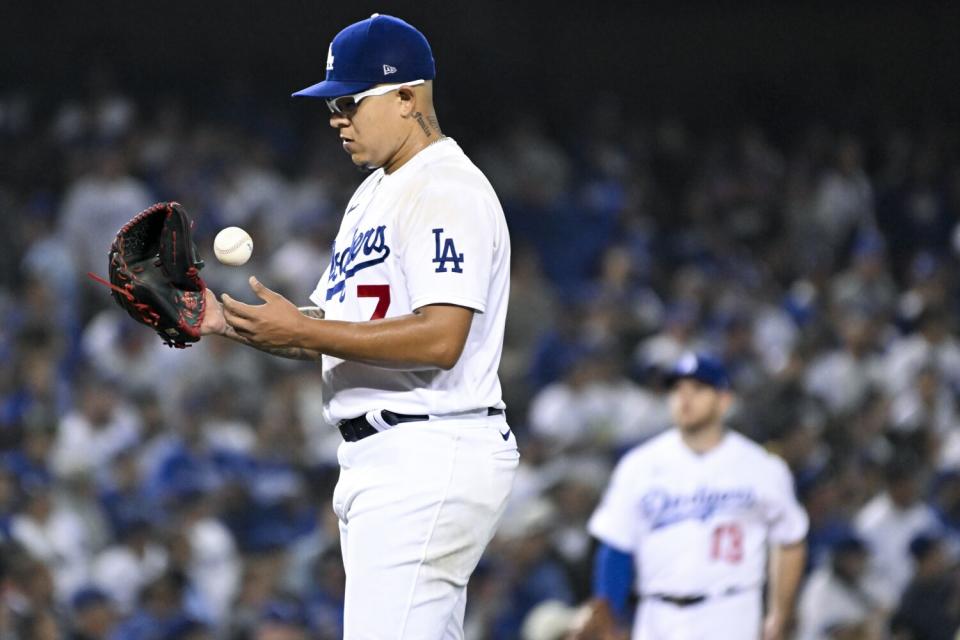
(154, 273)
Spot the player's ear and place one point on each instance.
(726, 401)
(408, 101)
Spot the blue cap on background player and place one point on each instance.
(380, 49)
(88, 596)
(700, 367)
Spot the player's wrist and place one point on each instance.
(774, 625)
(301, 328)
(213, 322)
(304, 329)
(776, 618)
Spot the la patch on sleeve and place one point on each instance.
(446, 252)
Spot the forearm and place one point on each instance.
(291, 353)
(786, 571)
(432, 336)
(407, 342)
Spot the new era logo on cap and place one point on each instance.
(387, 69)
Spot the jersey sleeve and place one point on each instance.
(788, 520)
(448, 246)
(319, 295)
(613, 577)
(615, 520)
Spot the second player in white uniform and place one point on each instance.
(408, 324)
(696, 510)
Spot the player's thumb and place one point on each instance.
(262, 292)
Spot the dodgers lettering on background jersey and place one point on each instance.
(406, 242)
(661, 508)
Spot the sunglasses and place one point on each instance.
(346, 105)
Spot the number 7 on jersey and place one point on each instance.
(379, 291)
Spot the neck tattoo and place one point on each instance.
(423, 124)
(439, 139)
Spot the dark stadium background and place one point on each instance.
(780, 62)
(686, 141)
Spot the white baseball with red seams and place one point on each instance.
(233, 246)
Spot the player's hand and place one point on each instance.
(595, 621)
(213, 323)
(774, 626)
(273, 324)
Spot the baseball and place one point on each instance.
(233, 246)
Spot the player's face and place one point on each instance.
(370, 131)
(695, 405)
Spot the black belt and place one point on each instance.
(358, 428)
(689, 601)
(680, 601)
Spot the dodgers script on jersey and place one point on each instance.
(406, 242)
(699, 523)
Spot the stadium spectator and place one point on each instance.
(930, 607)
(838, 602)
(92, 615)
(889, 521)
(54, 535)
(530, 570)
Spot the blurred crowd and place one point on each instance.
(152, 493)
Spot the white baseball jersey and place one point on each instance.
(699, 524)
(431, 232)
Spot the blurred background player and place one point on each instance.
(703, 517)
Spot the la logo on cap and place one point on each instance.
(688, 363)
(330, 58)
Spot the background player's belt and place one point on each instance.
(358, 428)
(690, 600)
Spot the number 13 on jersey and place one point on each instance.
(726, 543)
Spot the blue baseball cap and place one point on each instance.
(284, 612)
(700, 367)
(182, 626)
(849, 542)
(370, 52)
(88, 596)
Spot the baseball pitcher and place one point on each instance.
(408, 323)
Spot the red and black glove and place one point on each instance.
(155, 273)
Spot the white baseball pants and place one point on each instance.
(417, 506)
(733, 617)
